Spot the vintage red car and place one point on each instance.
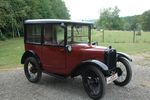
(63, 48)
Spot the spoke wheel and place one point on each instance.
(94, 82)
(124, 72)
(32, 70)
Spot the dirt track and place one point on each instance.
(14, 86)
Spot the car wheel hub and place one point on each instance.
(93, 84)
(119, 71)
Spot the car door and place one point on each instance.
(53, 52)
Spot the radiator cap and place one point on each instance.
(110, 47)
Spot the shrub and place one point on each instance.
(2, 38)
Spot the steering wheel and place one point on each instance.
(61, 42)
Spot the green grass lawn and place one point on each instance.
(130, 48)
(10, 53)
(123, 41)
(11, 50)
(120, 37)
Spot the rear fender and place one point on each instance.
(27, 54)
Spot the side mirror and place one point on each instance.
(68, 48)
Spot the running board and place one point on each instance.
(62, 77)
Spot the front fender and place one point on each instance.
(83, 65)
(121, 54)
(98, 63)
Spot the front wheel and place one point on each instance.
(94, 82)
(124, 72)
(32, 70)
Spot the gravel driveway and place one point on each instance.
(14, 86)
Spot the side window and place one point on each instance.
(53, 34)
(33, 33)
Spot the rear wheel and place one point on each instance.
(94, 82)
(32, 70)
(124, 72)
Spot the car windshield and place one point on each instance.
(78, 34)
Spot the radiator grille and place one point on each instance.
(110, 58)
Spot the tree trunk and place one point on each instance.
(1, 34)
(134, 36)
(18, 33)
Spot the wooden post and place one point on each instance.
(103, 36)
(134, 36)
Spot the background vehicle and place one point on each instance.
(63, 48)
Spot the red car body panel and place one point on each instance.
(83, 52)
(55, 59)
(35, 48)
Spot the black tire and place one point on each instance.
(94, 82)
(125, 63)
(33, 70)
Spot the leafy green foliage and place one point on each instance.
(109, 19)
(137, 22)
(14, 12)
(146, 20)
(132, 22)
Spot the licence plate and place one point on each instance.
(111, 78)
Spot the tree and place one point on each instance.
(59, 9)
(132, 22)
(146, 20)
(14, 12)
(109, 19)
